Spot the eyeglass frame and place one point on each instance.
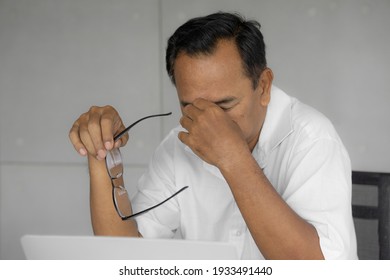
(120, 176)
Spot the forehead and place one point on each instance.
(210, 75)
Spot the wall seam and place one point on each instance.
(161, 62)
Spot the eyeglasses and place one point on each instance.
(114, 165)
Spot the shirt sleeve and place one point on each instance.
(154, 186)
(319, 190)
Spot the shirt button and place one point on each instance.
(238, 233)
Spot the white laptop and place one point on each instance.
(49, 247)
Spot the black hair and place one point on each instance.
(200, 36)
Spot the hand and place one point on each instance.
(93, 132)
(212, 134)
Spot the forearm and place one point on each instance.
(105, 220)
(277, 230)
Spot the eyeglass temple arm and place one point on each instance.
(117, 137)
(155, 206)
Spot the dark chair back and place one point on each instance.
(379, 183)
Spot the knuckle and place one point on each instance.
(101, 109)
(82, 119)
(108, 108)
(109, 114)
(94, 109)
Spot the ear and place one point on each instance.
(264, 87)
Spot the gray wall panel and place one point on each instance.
(57, 58)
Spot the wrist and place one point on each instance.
(96, 167)
(235, 162)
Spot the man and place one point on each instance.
(264, 171)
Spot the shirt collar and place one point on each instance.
(277, 125)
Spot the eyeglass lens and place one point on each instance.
(115, 170)
(122, 201)
(114, 163)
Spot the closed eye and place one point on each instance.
(225, 108)
(227, 103)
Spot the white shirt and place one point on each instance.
(301, 155)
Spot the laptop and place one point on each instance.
(52, 247)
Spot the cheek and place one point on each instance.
(250, 121)
(243, 121)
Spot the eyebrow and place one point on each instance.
(223, 101)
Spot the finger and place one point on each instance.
(95, 132)
(121, 137)
(119, 132)
(123, 140)
(86, 139)
(107, 128)
(191, 111)
(186, 123)
(75, 140)
(183, 137)
(118, 143)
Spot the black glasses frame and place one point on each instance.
(120, 175)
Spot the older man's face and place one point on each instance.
(220, 78)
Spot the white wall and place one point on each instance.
(59, 57)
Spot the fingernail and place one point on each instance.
(101, 154)
(108, 145)
(82, 152)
